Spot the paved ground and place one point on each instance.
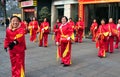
(41, 62)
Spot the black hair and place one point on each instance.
(80, 17)
(70, 18)
(65, 18)
(15, 17)
(57, 19)
(95, 19)
(34, 17)
(45, 18)
(103, 19)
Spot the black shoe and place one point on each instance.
(107, 51)
(40, 45)
(66, 65)
(111, 52)
(76, 41)
(45, 46)
(100, 56)
(62, 63)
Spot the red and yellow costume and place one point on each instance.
(102, 39)
(17, 53)
(112, 33)
(72, 24)
(65, 32)
(93, 30)
(79, 31)
(117, 37)
(33, 28)
(55, 30)
(24, 26)
(44, 31)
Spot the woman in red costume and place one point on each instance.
(55, 29)
(15, 43)
(117, 37)
(44, 31)
(102, 38)
(79, 30)
(64, 40)
(33, 28)
(93, 29)
(112, 33)
(25, 26)
(71, 22)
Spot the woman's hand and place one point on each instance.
(68, 38)
(57, 43)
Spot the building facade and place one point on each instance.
(29, 9)
(86, 9)
(61, 8)
(99, 9)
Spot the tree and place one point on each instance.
(3, 8)
(12, 7)
(44, 13)
(0, 2)
(8, 7)
(2, 5)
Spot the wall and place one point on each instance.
(69, 9)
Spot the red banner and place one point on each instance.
(81, 11)
(29, 10)
(96, 1)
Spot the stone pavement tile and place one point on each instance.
(115, 56)
(41, 62)
(35, 73)
(52, 70)
(110, 69)
(4, 67)
(4, 58)
(114, 70)
(69, 74)
(2, 34)
(36, 66)
(49, 71)
(92, 68)
(105, 75)
(5, 74)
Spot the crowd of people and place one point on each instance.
(65, 33)
(105, 35)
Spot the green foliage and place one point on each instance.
(1, 4)
(44, 13)
(2, 7)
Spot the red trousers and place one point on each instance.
(55, 37)
(44, 40)
(110, 44)
(59, 52)
(67, 59)
(79, 36)
(33, 36)
(106, 45)
(17, 63)
(117, 42)
(93, 36)
(102, 49)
